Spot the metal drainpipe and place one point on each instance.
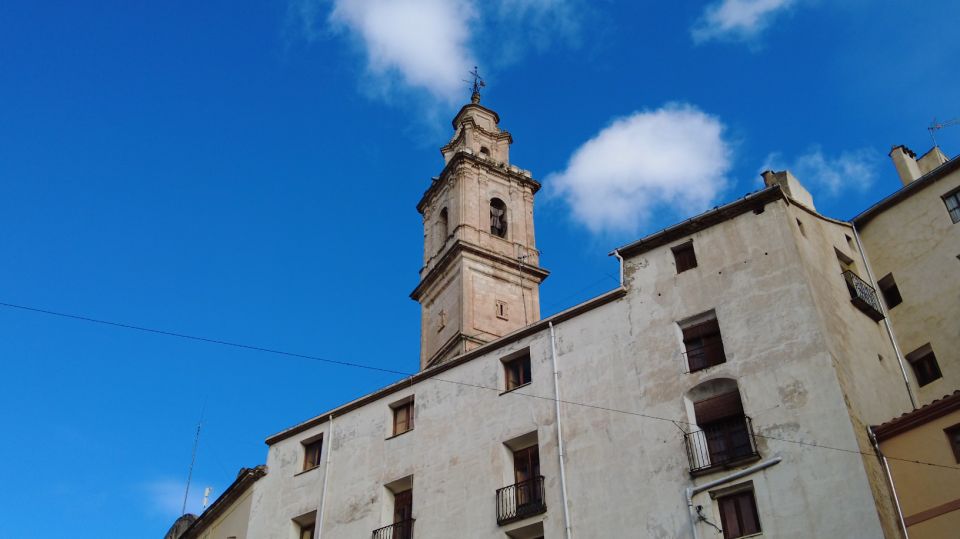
(893, 488)
(556, 394)
(693, 491)
(326, 475)
(616, 253)
(886, 319)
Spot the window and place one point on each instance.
(890, 292)
(953, 435)
(526, 471)
(498, 218)
(800, 226)
(924, 364)
(704, 346)
(953, 205)
(685, 257)
(444, 225)
(517, 371)
(403, 514)
(500, 307)
(738, 515)
(311, 453)
(403, 417)
(307, 530)
(725, 432)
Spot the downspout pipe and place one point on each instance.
(693, 491)
(326, 476)
(893, 488)
(886, 319)
(560, 450)
(616, 253)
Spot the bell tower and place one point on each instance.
(481, 271)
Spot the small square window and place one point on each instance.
(953, 435)
(703, 344)
(403, 417)
(738, 515)
(517, 371)
(891, 294)
(800, 226)
(924, 364)
(953, 205)
(311, 453)
(685, 257)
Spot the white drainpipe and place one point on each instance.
(893, 488)
(616, 253)
(556, 394)
(886, 319)
(326, 476)
(693, 491)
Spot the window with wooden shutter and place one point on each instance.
(924, 364)
(703, 344)
(311, 453)
(889, 290)
(517, 372)
(724, 429)
(403, 417)
(684, 256)
(953, 435)
(738, 515)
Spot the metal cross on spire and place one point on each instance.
(476, 84)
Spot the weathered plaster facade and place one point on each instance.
(809, 353)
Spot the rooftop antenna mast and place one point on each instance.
(193, 459)
(936, 126)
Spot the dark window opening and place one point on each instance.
(953, 205)
(526, 471)
(800, 226)
(307, 531)
(724, 427)
(311, 453)
(685, 257)
(403, 418)
(444, 224)
(498, 218)
(517, 371)
(738, 515)
(924, 364)
(890, 292)
(953, 435)
(704, 345)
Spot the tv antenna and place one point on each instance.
(193, 458)
(936, 126)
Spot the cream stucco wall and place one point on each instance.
(916, 241)
(805, 361)
(233, 522)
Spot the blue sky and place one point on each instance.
(248, 171)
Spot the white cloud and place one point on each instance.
(430, 45)
(166, 497)
(674, 157)
(850, 170)
(737, 19)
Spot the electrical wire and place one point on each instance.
(409, 375)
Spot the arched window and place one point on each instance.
(484, 151)
(444, 225)
(498, 218)
(723, 435)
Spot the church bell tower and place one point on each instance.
(481, 271)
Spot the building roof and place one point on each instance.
(707, 219)
(907, 191)
(924, 414)
(246, 477)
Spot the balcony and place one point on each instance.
(721, 444)
(863, 296)
(397, 530)
(520, 501)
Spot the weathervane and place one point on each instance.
(476, 84)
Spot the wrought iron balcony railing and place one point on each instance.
(397, 530)
(863, 296)
(723, 443)
(520, 501)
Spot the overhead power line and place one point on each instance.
(676, 422)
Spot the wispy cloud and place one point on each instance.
(851, 170)
(675, 158)
(165, 497)
(430, 45)
(737, 20)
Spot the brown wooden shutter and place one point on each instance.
(710, 327)
(728, 518)
(719, 407)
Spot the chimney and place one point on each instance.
(931, 160)
(790, 185)
(906, 162)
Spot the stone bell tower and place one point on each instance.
(481, 270)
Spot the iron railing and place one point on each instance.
(863, 296)
(397, 530)
(520, 501)
(721, 443)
